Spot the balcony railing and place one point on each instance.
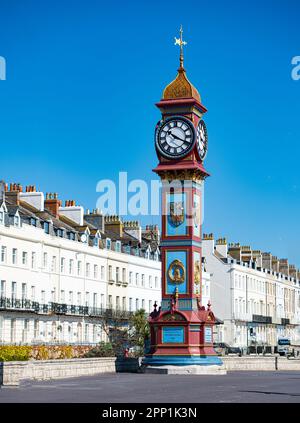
(17, 304)
(258, 318)
(12, 304)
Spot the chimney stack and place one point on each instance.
(95, 218)
(293, 271)
(133, 228)
(275, 264)
(114, 224)
(284, 266)
(208, 244)
(257, 258)
(2, 191)
(30, 188)
(52, 203)
(235, 251)
(246, 253)
(267, 261)
(73, 212)
(13, 195)
(221, 247)
(32, 197)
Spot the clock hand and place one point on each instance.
(175, 136)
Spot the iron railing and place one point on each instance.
(258, 318)
(13, 304)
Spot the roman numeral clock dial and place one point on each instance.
(202, 139)
(175, 137)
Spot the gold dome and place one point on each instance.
(181, 88)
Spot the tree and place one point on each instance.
(115, 324)
(139, 331)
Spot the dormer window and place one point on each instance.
(96, 240)
(1, 217)
(46, 227)
(60, 232)
(147, 254)
(16, 220)
(108, 243)
(32, 221)
(137, 251)
(118, 246)
(156, 256)
(71, 236)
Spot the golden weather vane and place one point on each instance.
(179, 41)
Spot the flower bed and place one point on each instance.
(42, 352)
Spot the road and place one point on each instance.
(235, 387)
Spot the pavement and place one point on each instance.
(235, 387)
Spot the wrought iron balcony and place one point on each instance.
(258, 318)
(12, 304)
(17, 304)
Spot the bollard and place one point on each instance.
(276, 363)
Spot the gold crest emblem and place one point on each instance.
(176, 216)
(176, 272)
(197, 274)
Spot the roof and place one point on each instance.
(28, 211)
(12, 210)
(181, 87)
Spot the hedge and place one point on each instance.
(15, 353)
(52, 352)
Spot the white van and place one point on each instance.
(283, 346)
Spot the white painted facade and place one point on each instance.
(256, 304)
(38, 269)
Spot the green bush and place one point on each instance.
(104, 349)
(15, 353)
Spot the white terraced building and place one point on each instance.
(63, 270)
(256, 295)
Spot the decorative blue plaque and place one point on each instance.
(173, 335)
(208, 335)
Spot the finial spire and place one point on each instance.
(179, 41)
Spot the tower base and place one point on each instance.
(186, 370)
(184, 365)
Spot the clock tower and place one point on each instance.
(182, 328)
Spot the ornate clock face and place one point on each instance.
(202, 139)
(175, 137)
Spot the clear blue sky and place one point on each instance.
(83, 77)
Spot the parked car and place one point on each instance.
(235, 350)
(222, 348)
